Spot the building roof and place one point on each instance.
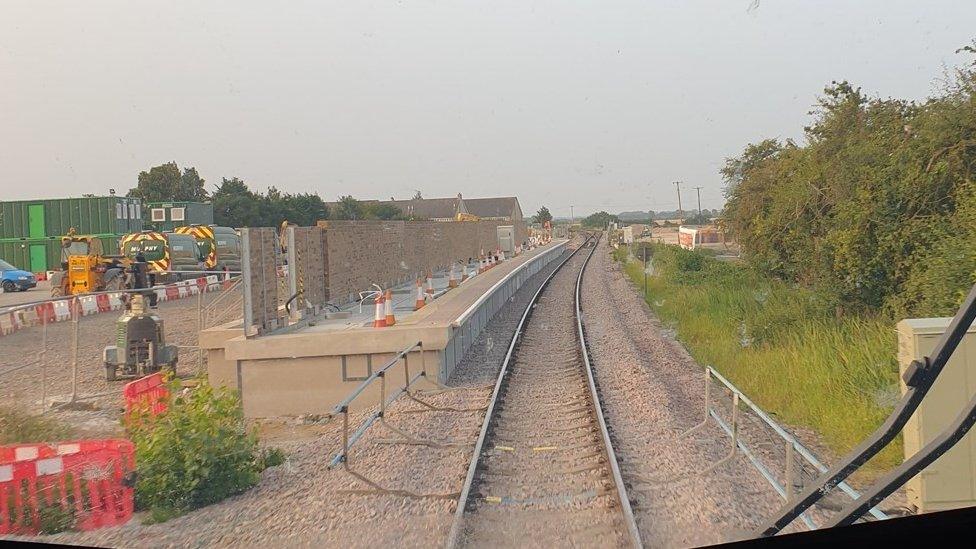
(504, 206)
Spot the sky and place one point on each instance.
(578, 106)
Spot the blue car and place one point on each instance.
(12, 278)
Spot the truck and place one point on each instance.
(166, 254)
(219, 246)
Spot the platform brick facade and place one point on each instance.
(361, 253)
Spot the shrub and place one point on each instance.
(196, 453)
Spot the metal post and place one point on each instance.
(199, 329)
(382, 376)
(423, 359)
(44, 362)
(708, 391)
(788, 484)
(75, 310)
(735, 421)
(345, 437)
(645, 271)
(406, 370)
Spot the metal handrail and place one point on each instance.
(343, 406)
(790, 439)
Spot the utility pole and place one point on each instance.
(677, 185)
(572, 216)
(698, 189)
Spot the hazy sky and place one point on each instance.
(600, 105)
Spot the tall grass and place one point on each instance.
(781, 345)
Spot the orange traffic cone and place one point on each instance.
(430, 283)
(379, 319)
(420, 297)
(464, 270)
(452, 281)
(390, 319)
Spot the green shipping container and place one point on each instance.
(88, 215)
(166, 216)
(44, 254)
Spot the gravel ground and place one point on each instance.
(302, 503)
(542, 478)
(51, 382)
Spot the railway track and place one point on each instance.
(543, 471)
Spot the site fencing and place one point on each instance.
(53, 358)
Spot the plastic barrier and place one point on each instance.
(103, 303)
(172, 293)
(148, 393)
(62, 309)
(86, 479)
(89, 305)
(202, 284)
(114, 302)
(9, 323)
(45, 312)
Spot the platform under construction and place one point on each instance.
(308, 368)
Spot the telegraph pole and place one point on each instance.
(677, 185)
(698, 189)
(572, 216)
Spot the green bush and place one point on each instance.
(877, 205)
(196, 453)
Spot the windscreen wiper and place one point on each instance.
(918, 377)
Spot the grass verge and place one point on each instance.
(780, 344)
(17, 427)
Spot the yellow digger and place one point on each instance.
(86, 268)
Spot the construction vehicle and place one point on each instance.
(219, 246)
(166, 254)
(140, 347)
(86, 267)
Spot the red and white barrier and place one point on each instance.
(89, 305)
(60, 310)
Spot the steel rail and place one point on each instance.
(454, 537)
(611, 456)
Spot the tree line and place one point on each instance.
(877, 208)
(236, 205)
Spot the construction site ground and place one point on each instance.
(36, 388)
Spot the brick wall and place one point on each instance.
(361, 253)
